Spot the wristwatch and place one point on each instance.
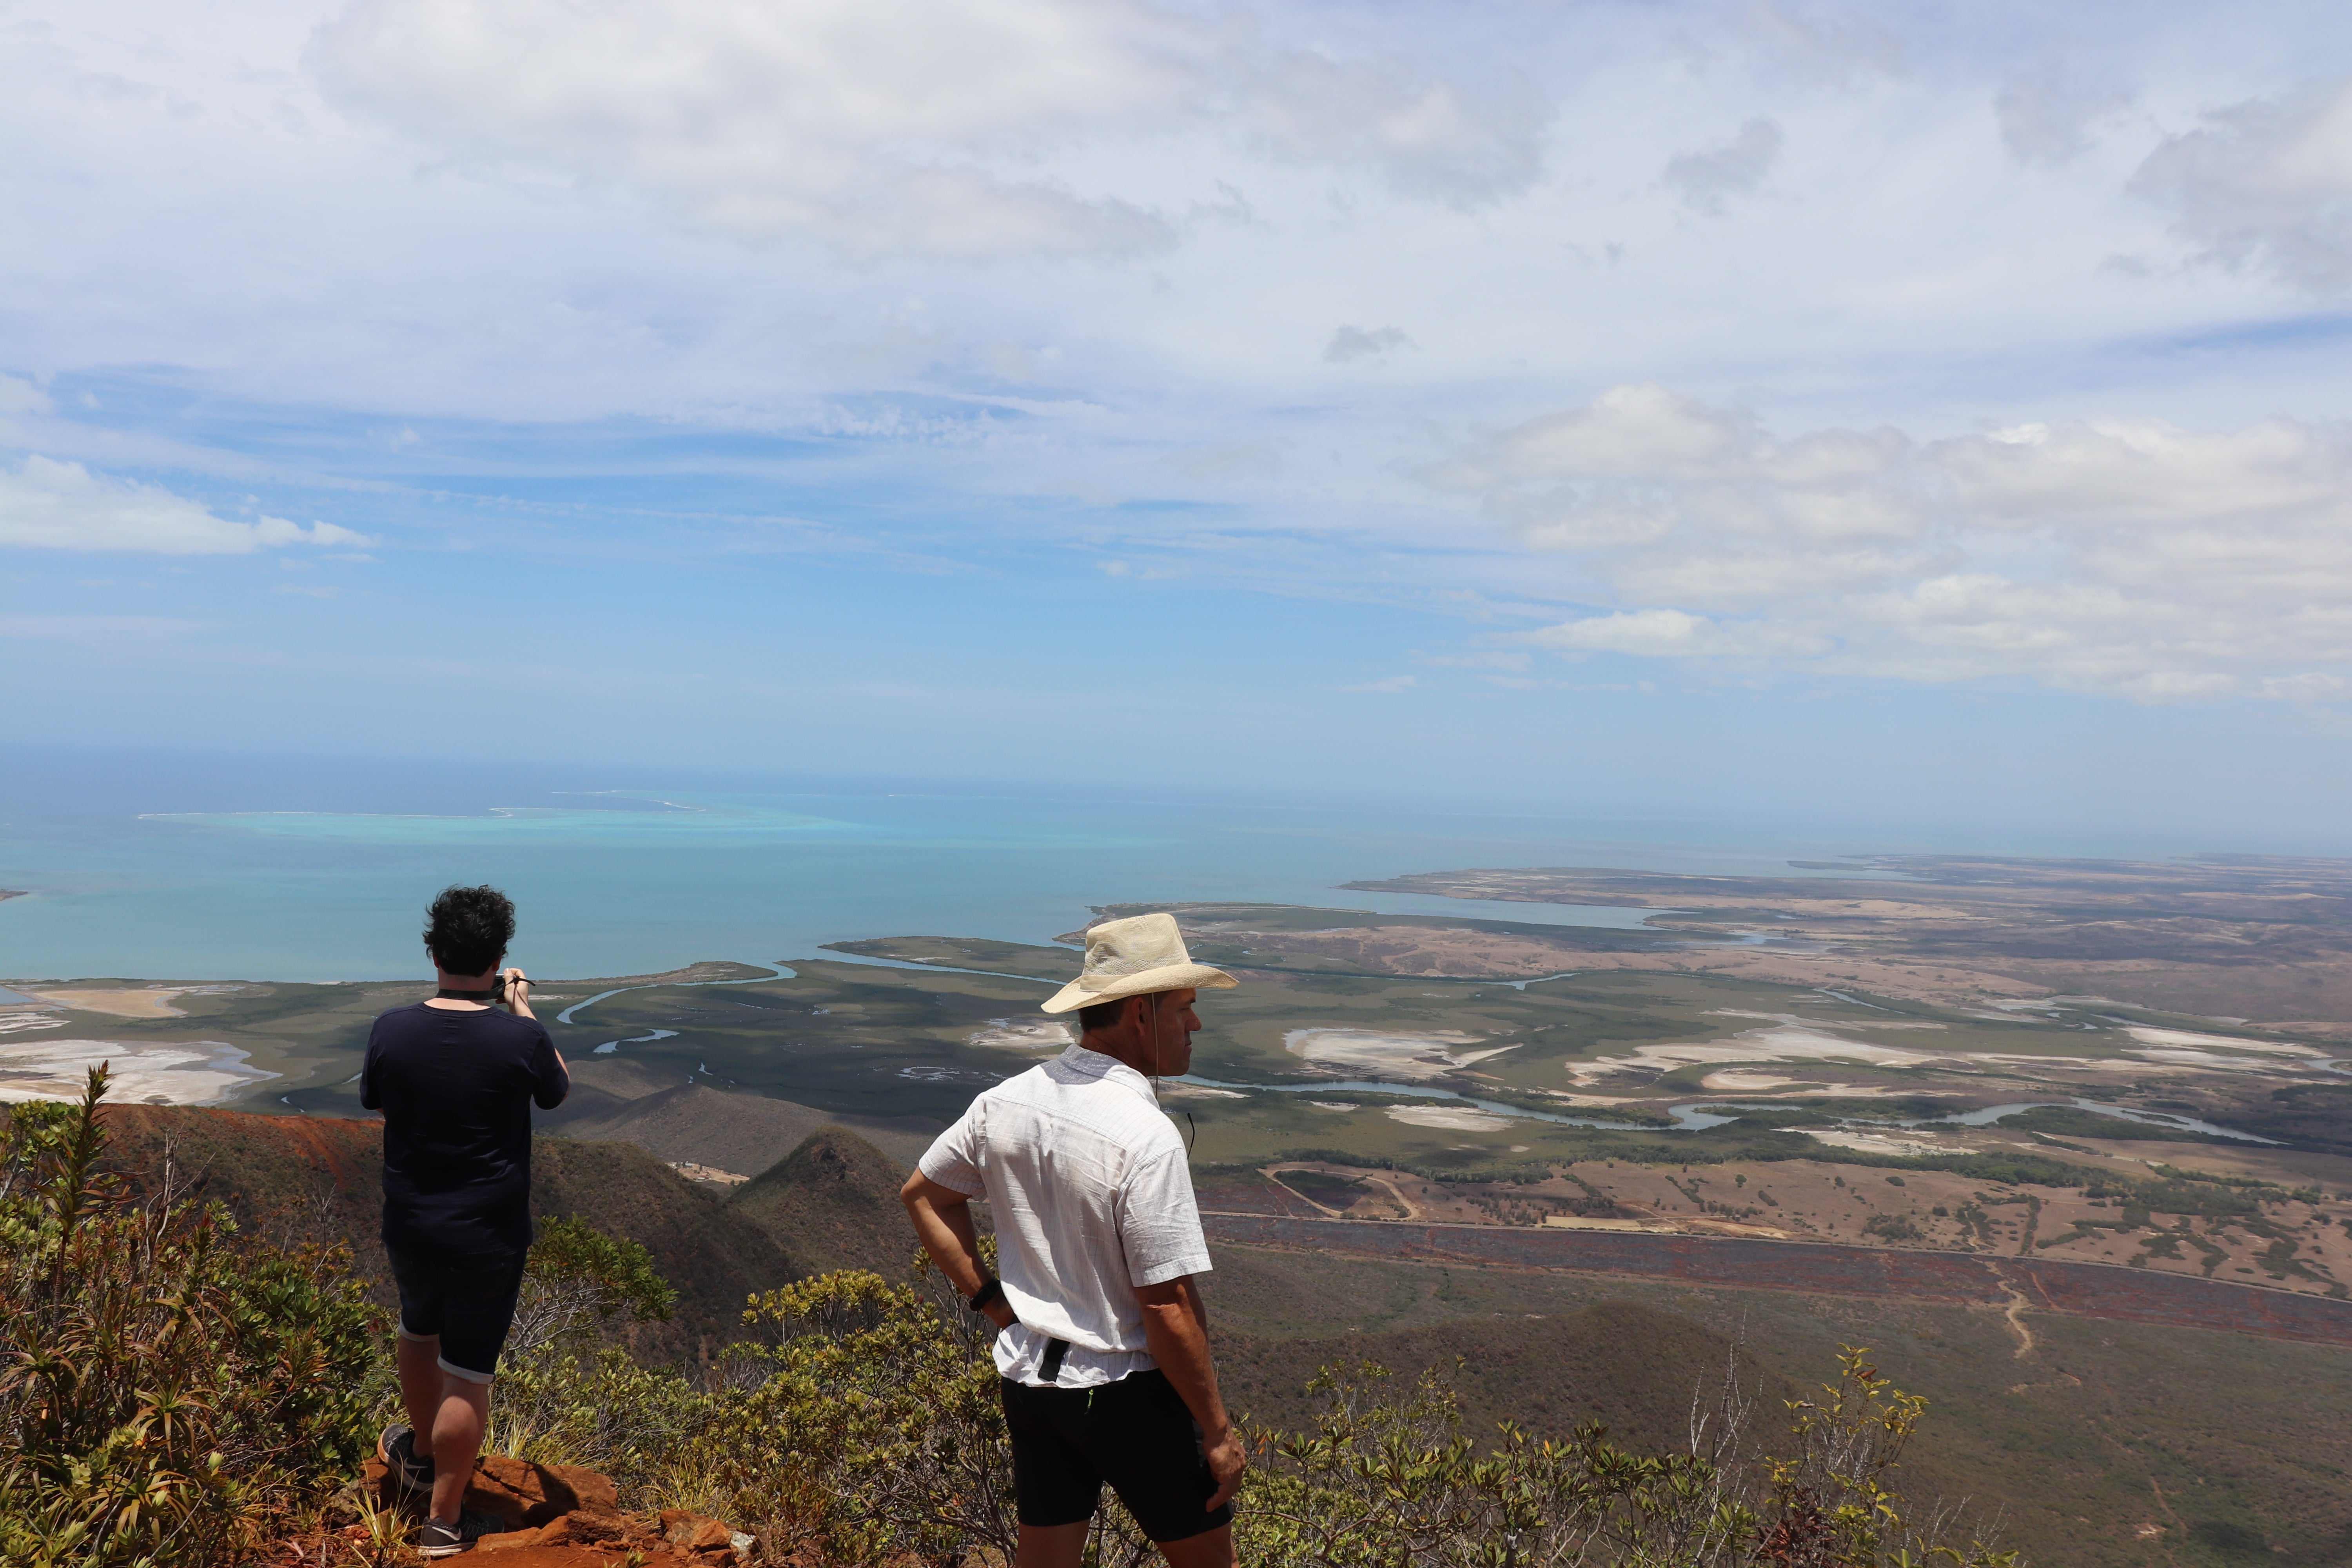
(990, 1293)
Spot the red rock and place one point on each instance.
(533, 1494)
(511, 1541)
(585, 1527)
(693, 1532)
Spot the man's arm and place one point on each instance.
(943, 1217)
(1176, 1331)
(518, 989)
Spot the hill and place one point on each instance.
(1549, 1373)
(316, 1178)
(728, 1130)
(832, 1204)
(2102, 1444)
(714, 1257)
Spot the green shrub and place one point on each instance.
(166, 1386)
(565, 1394)
(1392, 1481)
(579, 1280)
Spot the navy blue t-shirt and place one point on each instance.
(455, 1086)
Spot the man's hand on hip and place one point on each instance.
(1175, 1326)
(1227, 1459)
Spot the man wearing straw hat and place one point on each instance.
(1103, 1351)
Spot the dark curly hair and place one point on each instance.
(468, 929)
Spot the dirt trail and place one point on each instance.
(1412, 1211)
(1324, 1209)
(2013, 1314)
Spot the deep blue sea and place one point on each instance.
(254, 868)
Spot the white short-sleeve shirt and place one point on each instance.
(1092, 1198)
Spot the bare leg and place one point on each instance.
(458, 1427)
(1210, 1548)
(1052, 1546)
(449, 1415)
(420, 1388)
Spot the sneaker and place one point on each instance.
(440, 1539)
(397, 1450)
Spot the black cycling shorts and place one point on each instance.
(467, 1304)
(1134, 1433)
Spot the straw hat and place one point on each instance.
(1133, 957)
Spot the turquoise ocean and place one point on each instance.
(220, 868)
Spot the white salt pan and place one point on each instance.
(149, 1072)
(1020, 1034)
(1414, 1057)
(1458, 1120)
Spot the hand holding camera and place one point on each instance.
(514, 990)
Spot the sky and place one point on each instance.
(1902, 415)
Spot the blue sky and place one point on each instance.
(1914, 415)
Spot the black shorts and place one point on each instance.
(466, 1303)
(1134, 1433)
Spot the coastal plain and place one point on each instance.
(1726, 1067)
(1429, 1139)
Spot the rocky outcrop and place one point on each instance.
(562, 1516)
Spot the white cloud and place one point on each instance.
(911, 126)
(63, 506)
(2046, 115)
(1354, 343)
(2266, 184)
(1231, 460)
(1673, 634)
(106, 630)
(2127, 557)
(1706, 182)
(17, 396)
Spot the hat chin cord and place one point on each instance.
(1158, 1036)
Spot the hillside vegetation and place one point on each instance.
(319, 1180)
(833, 1203)
(176, 1388)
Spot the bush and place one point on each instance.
(578, 1280)
(877, 1431)
(564, 1394)
(165, 1385)
(1390, 1482)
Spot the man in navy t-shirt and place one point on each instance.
(455, 1080)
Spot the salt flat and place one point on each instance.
(146, 1072)
(1416, 1056)
(1020, 1034)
